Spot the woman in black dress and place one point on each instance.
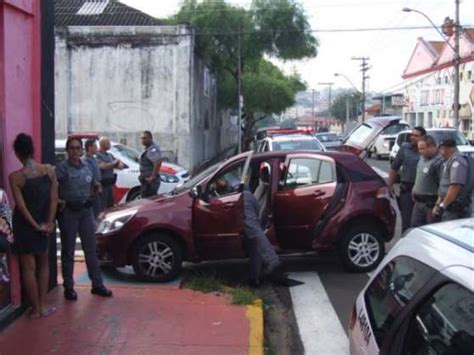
(35, 192)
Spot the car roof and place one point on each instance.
(383, 120)
(292, 137)
(442, 246)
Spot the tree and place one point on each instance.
(270, 28)
(343, 102)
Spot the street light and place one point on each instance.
(456, 60)
(349, 80)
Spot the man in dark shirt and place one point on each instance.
(150, 165)
(89, 158)
(405, 164)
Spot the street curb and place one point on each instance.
(254, 315)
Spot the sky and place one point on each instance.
(389, 51)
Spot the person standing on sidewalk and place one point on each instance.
(405, 164)
(456, 184)
(76, 182)
(425, 190)
(35, 192)
(150, 165)
(107, 164)
(90, 160)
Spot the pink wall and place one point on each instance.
(20, 85)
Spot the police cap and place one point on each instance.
(448, 143)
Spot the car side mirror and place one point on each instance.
(196, 191)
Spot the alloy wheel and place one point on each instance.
(363, 250)
(155, 258)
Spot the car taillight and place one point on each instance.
(353, 319)
(383, 193)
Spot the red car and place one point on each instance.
(316, 202)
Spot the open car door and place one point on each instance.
(306, 188)
(218, 216)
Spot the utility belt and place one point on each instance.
(406, 187)
(77, 206)
(428, 200)
(108, 181)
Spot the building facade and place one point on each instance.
(120, 75)
(429, 85)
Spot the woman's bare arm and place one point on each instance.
(16, 183)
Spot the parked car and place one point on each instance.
(319, 201)
(439, 134)
(421, 298)
(127, 187)
(386, 139)
(295, 141)
(329, 140)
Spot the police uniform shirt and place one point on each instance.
(75, 181)
(105, 157)
(406, 162)
(148, 158)
(454, 172)
(93, 165)
(426, 182)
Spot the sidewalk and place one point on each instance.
(139, 319)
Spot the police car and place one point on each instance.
(127, 187)
(420, 300)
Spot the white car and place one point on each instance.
(439, 134)
(386, 139)
(127, 187)
(420, 300)
(290, 142)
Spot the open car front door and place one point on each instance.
(218, 216)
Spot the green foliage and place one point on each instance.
(205, 283)
(242, 296)
(340, 103)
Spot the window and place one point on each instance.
(445, 79)
(226, 182)
(469, 75)
(308, 171)
(395, 129)
(444, 324)
(391, 290)
(298, 144)
(440, 136)
(131, 154)
(360, 135)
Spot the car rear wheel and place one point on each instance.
(362, 248)
(134, 195)
(157, 258)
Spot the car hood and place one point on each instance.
(466, 148)
(146, 203)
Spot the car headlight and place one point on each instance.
(169, 178)
(114, 221)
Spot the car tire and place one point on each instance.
(362, 248)
(157, 258)
(133, 195)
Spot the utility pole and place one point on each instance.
(364, 69)
(312, 109)
(329, 85)
(457, 62)
(239, 84)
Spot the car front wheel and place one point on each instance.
(157, 258)
(362, 248)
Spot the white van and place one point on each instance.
(420, 300)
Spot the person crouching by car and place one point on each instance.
(76, 182)
(107, 164)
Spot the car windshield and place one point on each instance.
(360, 135)
(395, 129)
(130, 153)
(298, 144)
(327, 137)
(440, 136)
(197, 178)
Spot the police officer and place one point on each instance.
(107, 164)
(76, 182)
(150, 164)
(90, 160)
(454, 200)
(405, 164)
(425, 190)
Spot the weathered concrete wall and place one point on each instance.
(120, 81)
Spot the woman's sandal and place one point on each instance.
(48, 311)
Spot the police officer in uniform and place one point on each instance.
(405, 164)
(454, 200)
(90, 160)
(107, 164)
(76, 182)
(425, 190)
(150, 164)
